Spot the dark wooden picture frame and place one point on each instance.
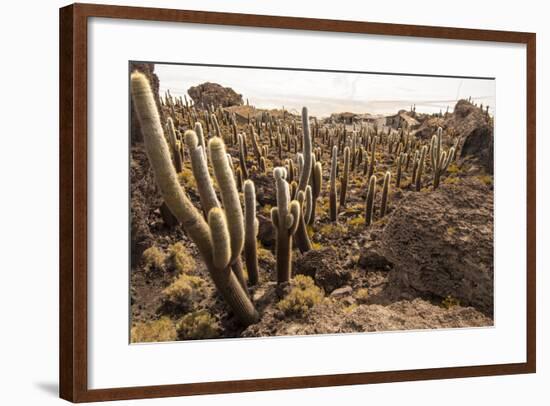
(73, 201)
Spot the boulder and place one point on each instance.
(323, 266)
(441, 244)
(208, 94)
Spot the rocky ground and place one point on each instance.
(427, 264)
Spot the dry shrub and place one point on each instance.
(185, 290)
(198, 325)
(153, 259)
(154, 331)
(180, 258)
(362, 295)
(303, 296)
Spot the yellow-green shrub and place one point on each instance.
(162, 329)
(450, 302)
(180, 258)
(153, 258)
(185, 290)
(303, 296)
(198, 325)
(362, 295)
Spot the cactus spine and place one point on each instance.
(369, 205)
(285, 217)
(385, 193)
(250, 232)
(178, 202)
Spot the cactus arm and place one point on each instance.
(221, 250)
(229, 195)
(173, 144)
(199, 167)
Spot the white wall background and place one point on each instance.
(28, 202)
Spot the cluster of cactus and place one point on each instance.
(371, 194)
(220, 239)
(285, 218)
(440, 159)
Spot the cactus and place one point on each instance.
(344, 179)
(174, 144)
(179, 204)
(440, 159)
(420, 167)
(316, 185)
(332, 192)
(369, 205)
(385, 193)
(372, 157)
(200, 138)
(302, 238)
(306, 168)
(250, 232)
(285, 218)
(242, 156)
(229, 195)
(199, 167)
(400, 162)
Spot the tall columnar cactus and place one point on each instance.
(400, 162)
(183, 209)
(242, 156)
(385, 194)
(199, 167)
(344, 179)
(369, 204)
(250, 232)
(372, 157)
(285, 218)
(216, 125)
(302, 238)
(174, 144)
(200, 138)
(440, 159)
(306, 169)
(420, 167)
(229, 195)
(255, 144)
(332, 193)
(316, 186)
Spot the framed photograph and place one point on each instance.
(255, 202)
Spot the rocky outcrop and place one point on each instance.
(321, 265)
(149, 70)
(441, 244)
(213, 94)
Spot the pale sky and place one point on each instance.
(330, 92)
